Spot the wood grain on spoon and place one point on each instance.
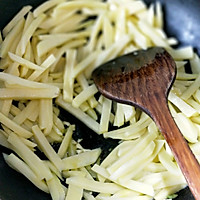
(143, 79)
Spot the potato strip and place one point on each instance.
(68, 84)
(91, 123)
(84, 95)
(56, 189)
(28, 93)
(47, 148)
(66, 141)
(81, 160)
(23, 168)
(95, 186)
(26, 112)
(55, 40)
(17, 18)
(23, 61)
(105, 115)
(14, 126)
(30, 157)
(8, 41)
(45, 6)
(29, 33)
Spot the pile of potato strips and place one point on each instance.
(47, 58)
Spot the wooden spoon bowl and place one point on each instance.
(143, 79)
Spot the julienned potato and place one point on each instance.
(49, 54)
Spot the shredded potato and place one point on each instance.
(47, 56)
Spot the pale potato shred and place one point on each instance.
(47, 57)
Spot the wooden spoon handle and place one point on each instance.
(182, 153)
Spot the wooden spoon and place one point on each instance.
(143, 79)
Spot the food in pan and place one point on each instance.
(47, 58)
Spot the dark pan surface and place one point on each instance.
(182, 21)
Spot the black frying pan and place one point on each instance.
(182, 21)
